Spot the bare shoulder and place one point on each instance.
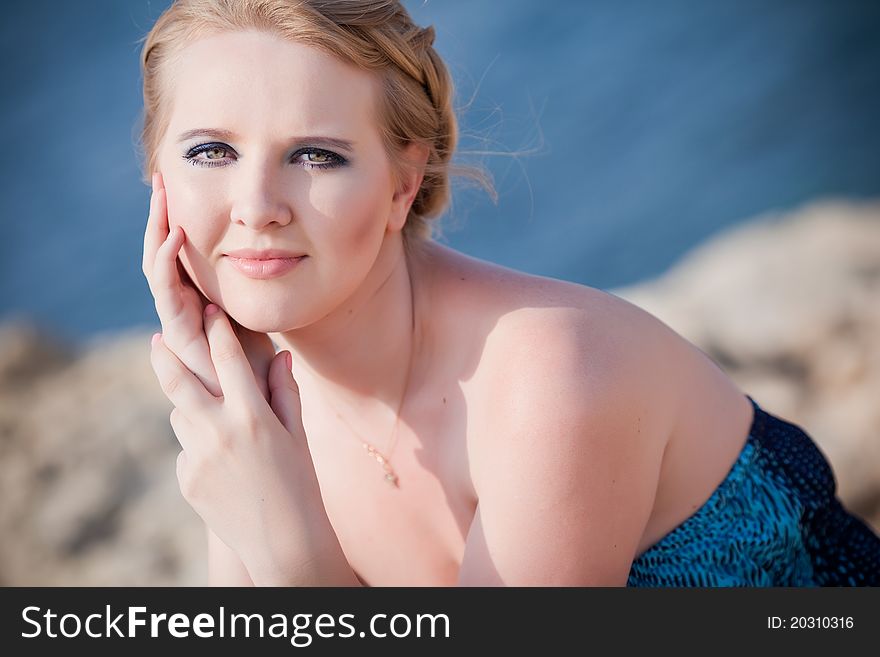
(569, 413)
(535, 335)
(580, 404)
(519, 318)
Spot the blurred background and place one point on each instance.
(718, 164)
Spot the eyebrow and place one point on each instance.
(220, 133)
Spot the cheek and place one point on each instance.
(190, 207)
(354, 210)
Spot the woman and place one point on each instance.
(428, 418)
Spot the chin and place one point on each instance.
(263, 317)
(259, 322)
(259, 326)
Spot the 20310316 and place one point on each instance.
(810, 623)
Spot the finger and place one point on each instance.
(157, 224)
(165, 282)
(180, 385)
(230, 362)
(187, 280)
(183, 429)
(186, 340)
(284, 393)
(260, 352)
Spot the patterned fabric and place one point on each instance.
(775, 520)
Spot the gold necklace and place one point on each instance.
(385, 459)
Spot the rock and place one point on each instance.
(88, 478)
(789, 306)
(26, 354)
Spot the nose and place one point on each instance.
(260, 199)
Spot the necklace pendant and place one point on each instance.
(390, 476)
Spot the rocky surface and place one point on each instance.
(88, 477)
(788, 305)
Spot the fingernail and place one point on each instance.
(289, 360)
(154, 183)
(210, 309)
(155, 339)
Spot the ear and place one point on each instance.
(415, 155)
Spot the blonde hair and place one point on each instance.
(376, 35)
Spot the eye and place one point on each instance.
(316, 158)
(320, 157)
(211, 151)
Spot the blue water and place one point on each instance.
(654, 126)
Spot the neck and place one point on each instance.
(367, 349)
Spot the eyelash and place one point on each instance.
(335, 160)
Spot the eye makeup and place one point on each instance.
(327, 159)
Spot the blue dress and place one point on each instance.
(775, 520)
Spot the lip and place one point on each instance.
(263, 268)
(264, 254)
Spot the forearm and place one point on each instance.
(297, 544)
(224, 566)
(304, 563)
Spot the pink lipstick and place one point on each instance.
(263, 268)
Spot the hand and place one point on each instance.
(180, 304)
(245, 467)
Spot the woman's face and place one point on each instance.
(275, 180)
